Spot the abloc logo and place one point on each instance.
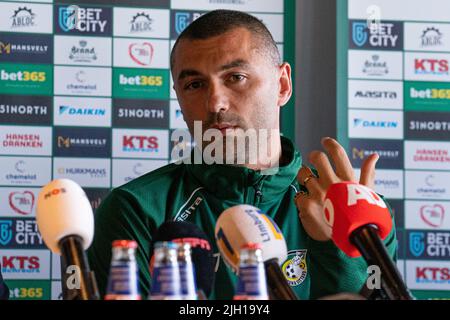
(390, 152)
(382, 35)
(431, 37)
(427, 126)
(23, 17)
(78, 142)
(83, 20)
(135, 113)
(26, 110)
(428, 245)
(20, 233)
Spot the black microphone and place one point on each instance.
(66, 222)
(201, 251)
(242, 224)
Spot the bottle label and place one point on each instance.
(252, 283)
(123, 281)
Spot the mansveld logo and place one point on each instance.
(68, 142)
(431, 37)
(140, 144)
(22, 18)
(378, 35)
(21, 202)
(141, 53)
(363, 153)
(358, 122)
(82, 53)
(21, 48)
(431, 66)
(432, 215)
(141, 22)
(375, 67)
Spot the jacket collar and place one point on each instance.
(228, 182)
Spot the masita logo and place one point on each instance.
(25, 140)
(20, 233)
(151, 84)
(141, 22)
(140, 143)
(26, 110)
(25, 264)
(427, 96)
(89, 51)
(32, 79)
(78, 142)
(375, 94)
(381, 35)
(76, 19)
(82, 112)
(26, 48)
(93, 173)
(427, 155)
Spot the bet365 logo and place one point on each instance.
(151, 81)
(23, 76)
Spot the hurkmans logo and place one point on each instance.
(295, 268)
(5, 232)
(417, 243)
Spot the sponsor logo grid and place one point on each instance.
(398, 94)
(85, 95)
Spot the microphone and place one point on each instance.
(66, 222)
(360, 220)
(201, 251)
(241, 224)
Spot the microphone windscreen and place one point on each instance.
(63, 209)
(241, 224)
(349, 206)
(201, 250)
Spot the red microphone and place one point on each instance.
(360, 220)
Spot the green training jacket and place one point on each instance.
(200, 193)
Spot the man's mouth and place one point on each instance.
(223, 127)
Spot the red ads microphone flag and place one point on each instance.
(349, 206)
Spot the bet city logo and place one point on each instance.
(376, 35)
(141, 53)
(89, 20)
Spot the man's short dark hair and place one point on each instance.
(218, 22)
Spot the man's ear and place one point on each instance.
(285, 84)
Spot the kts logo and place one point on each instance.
(82, 20)
(431, 66)
(25, 264)
(429, 245)
(380, 35)
(141, 22)
(23, 17)
(141, 53)
(375, 67)
(20, 233)
(431, 37)
(21, 202)
(140, 144)
(437, 275)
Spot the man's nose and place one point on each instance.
(217, 99)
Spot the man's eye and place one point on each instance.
(237, 78)
(193, 85)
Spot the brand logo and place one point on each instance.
(432, 215)
(375, 67)
(431, 66)
(417, 243)
(22, 202)
(23, 17)
(141, 22)
(380, 35)
(431, 37)
(294, 268)
(82, 52)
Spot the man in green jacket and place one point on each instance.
(228, 77)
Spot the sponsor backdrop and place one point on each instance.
(85, 94)
(394, 99)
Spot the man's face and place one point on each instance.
(225, 82)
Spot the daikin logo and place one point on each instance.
(81, 111)
(358, 122)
